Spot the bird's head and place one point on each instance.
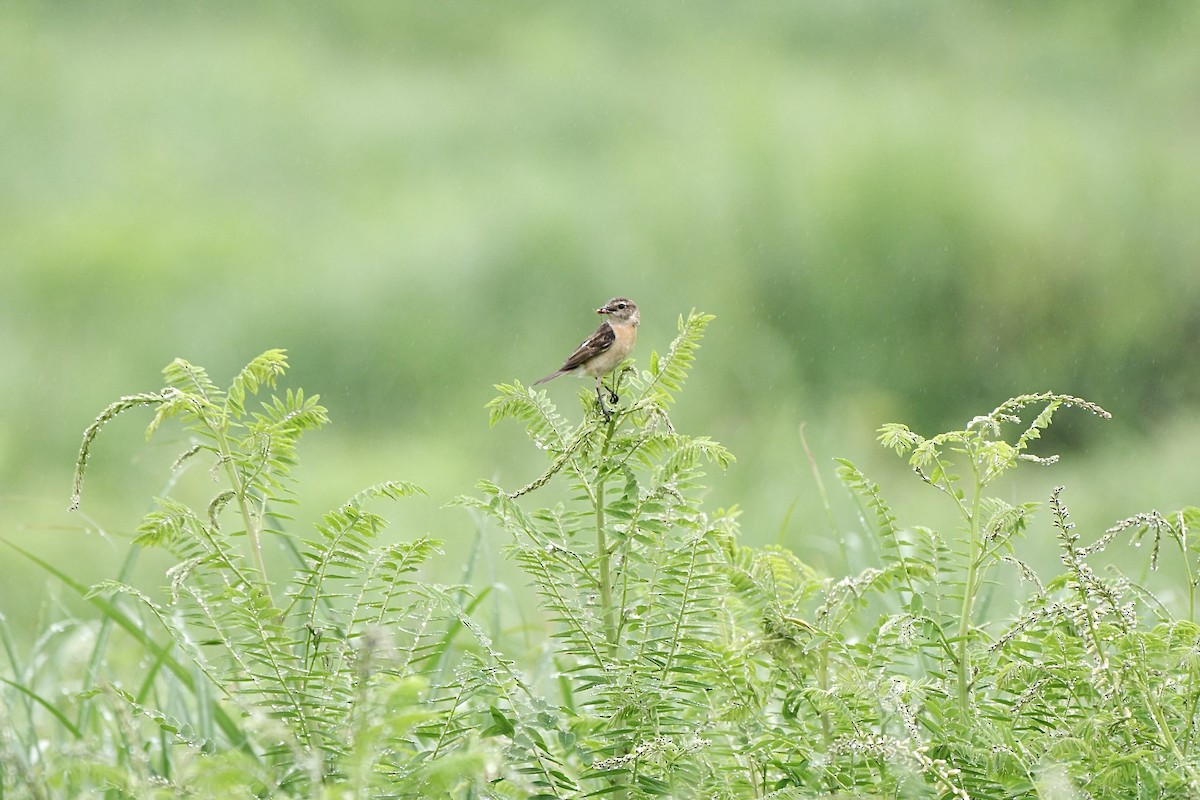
(621, 310)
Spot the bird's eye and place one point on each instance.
(622, 306)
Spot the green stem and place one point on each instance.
(823, 681)
(1164, 729)
(964, 622)
(604, 567)
(239, 491)
(1187, 565)
(602, 554)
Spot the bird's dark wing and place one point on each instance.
(593, 346)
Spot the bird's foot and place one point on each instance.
(605, 410)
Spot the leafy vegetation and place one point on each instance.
(676, 661)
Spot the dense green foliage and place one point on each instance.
(669, 658)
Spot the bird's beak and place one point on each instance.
(604, 310)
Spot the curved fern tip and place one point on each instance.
(697, 318)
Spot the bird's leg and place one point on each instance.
(605, 410)
(613, 397)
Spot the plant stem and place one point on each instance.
(823, 682)
(968, 602)
(239, 490)
(1187, 565)
(604, 567)
(602, 555)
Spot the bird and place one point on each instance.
(604, 350)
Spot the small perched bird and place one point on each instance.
(604, 350)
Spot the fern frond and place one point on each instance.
(1008, 411)
(261, 371)
(578, 442)
(195, 541)
(382, 582)
(868, 490)
(547, 428)
(193, 380)
(268, 450)
(1000, 521)
(171, 526)
(891, 538)
(845, 596)
(178, 732)
(264, 456)
(393, 490)
(771, 583)
(342, 551)
(686, 584)
(504, 705)
(179, 404)
(981, 441)
(668, 373)
(897, 437)
(263, 659)
(547, 558)
(290, 415)
(577, 626)
(686, 452)
(167, 397)
(182, 638)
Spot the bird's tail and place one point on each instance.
(549, 377)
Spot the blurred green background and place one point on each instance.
(897, 211)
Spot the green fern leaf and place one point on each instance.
(193, 380)
(547, 428)
(161, 399)
(670, 371)
(262, 371)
